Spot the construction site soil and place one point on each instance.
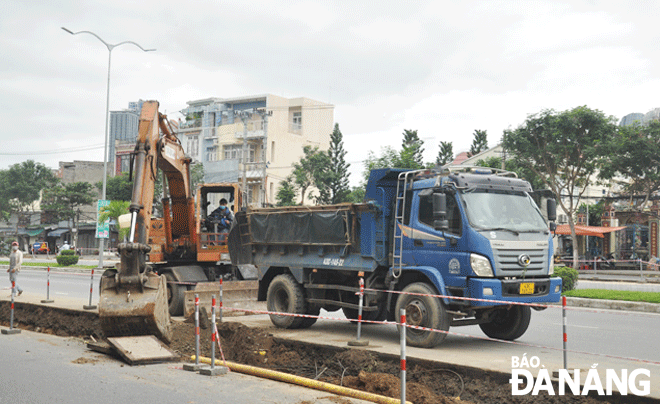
(427, 381)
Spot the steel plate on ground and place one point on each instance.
(143, 349)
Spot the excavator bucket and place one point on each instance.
(134, 308)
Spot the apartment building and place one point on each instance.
(254, 140)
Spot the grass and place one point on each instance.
(51, 264)
(630, 296)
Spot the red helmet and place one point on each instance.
(14, 243)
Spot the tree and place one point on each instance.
(388, 158)
(445, 155)
(565, 149)
(635, 154)
(21, 186)
(63, 201)
(117, 188)
(338, 170)
(479, 143)
(313, 170)
(112, 211)
(286, 192)
(411, 150)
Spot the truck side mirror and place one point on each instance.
(551, 208)
(440, 211)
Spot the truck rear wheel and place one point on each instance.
(423, 311)
(175, 296)
(285, 295)
(508, 324)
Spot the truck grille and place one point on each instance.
(506, 261)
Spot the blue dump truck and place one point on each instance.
(472, 233)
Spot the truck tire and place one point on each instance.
(309, 321)
(175, 296)
(423, 311)
(508, 324)
(285, 295)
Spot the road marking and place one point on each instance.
(61, 293)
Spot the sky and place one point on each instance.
(443, 68)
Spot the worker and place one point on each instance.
(222, 216)
(15, 261)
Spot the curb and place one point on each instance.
(613, 304)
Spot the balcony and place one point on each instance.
(255, 130)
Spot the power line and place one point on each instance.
(57, 151)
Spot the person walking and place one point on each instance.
(15, 261)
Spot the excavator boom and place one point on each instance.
(134, 298)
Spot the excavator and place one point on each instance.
(165, 257)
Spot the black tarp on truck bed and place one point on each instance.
(299, 228)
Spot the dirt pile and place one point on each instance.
(427, 382)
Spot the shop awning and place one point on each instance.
(57, 233)
(34, 232)
(596, 231)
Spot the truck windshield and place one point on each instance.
(493, 210)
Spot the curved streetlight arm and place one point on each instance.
(109, 46)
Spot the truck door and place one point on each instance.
(444, 250)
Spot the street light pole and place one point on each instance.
(107, 118)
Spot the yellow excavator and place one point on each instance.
(165, 257)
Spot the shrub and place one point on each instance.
(569, 277)
(67, 258)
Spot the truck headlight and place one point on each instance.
(480, 265)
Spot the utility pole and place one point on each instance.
(264, 154)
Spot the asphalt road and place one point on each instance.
(41, 368)
(72, 285)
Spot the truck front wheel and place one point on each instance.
(285, 295)
(508, 324)
(423, 311)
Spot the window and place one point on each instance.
(192, 148)
(235, 152)
(296, 123)
(453, 213)
(212, 153)
(272, 151)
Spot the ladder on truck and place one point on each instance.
(404, 183)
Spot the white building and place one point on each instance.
(254, 140)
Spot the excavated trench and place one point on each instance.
(427, 381)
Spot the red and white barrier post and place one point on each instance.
(91, 290)
(11, 329)
(358, 342)
(213, 370)
(196, 366)
(48, 299)
(402, 320)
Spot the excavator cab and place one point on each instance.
(214, 222)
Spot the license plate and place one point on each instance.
(526, 288)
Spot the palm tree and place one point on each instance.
(113, 211)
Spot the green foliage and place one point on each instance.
(62, 201)
(595, 212)
(67, 258)
(356, 195)
(112, 211)
(313, 170)
(625, 295)
(479, 142)
(22, 184)
(411, 150)
(569, 277)
(635, 154)
(196, 174)
(564, 149)
(117, 188)
(286, 192)
(445, 154)
(338, 170)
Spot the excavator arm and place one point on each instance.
(133, 298)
